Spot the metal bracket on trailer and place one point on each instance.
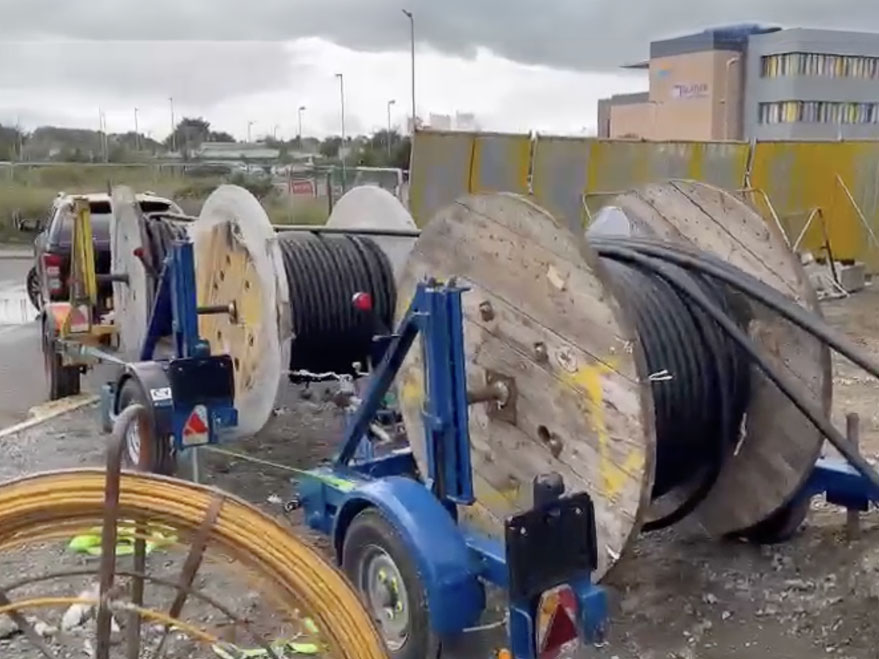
(549, 551)
(191, 395)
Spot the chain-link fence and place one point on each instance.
(290, 194)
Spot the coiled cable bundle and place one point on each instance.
(159, 235)
(324, 274)
(699, 377)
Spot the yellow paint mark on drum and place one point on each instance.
(411, 390)
(613, 476)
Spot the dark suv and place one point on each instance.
(48, 278)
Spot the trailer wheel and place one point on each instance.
(376, 561)
(781, 526)
(62, 380)
(163, 458)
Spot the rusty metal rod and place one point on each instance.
(109, 531)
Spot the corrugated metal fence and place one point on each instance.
(835, 184)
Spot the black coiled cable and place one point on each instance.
(698, 375)
(324, 273)
(159, 235)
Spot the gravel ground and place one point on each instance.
(676, 594)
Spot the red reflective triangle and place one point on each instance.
(196, 424)
(561, 630)
(77, 318)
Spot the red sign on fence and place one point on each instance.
(304, 187)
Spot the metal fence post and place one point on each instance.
(852, 517)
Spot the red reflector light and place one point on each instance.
(556, 622)
(52, 266)
(362, 301)
(138, 252)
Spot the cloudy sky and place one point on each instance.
(518, 64)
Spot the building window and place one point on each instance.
(819, 64)
(818, 112)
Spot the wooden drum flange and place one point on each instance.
(132, 301)
(538, 313)
(238, 262)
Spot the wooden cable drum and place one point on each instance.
(779, 446)
(372, 207)
(131, 301)
(562, 323)
(238, 262)
(138, 246)
(294, 296)
(539, 312)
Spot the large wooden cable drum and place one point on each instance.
(238, 262)
(547, 312)
(538, 312)
(779, 445)
(293, 295)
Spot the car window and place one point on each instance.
(62, 225)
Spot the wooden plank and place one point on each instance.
(578, 392)
(780, 446)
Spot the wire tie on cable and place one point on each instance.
(660, 376)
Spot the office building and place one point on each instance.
(812, 85)
(753, 82)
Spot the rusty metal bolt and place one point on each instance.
(540, 352)
(486, 310)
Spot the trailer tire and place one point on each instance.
(373, 547)
(62, 380)
(163, 458)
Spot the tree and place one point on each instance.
(189, 134)
(220, 136)
(329, 148)
(10, 141)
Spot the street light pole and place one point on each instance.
(390, 103)
(341, 78)
(301, 110)
(249, 124)
(173, 127)
(412, 47)
(136, 132)
(275, 132)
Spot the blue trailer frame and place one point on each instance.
(191, 382)
(453, 561)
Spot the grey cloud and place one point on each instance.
(576, 34)
(203, 72)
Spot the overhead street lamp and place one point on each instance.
(173, 127)
(301, 110)
(412, 49)
(341, 78)
(136, 132)
(390, 103)
(249, 124)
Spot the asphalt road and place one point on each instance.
(22, 384)
(22, 380)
